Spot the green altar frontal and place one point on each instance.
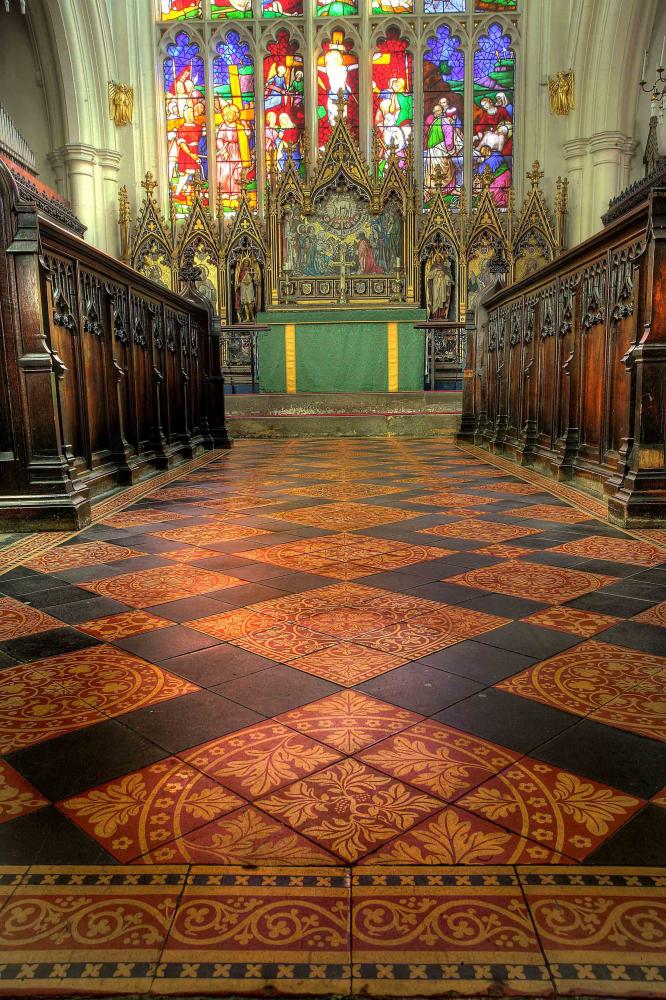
(341, 350)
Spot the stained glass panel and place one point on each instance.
(443, 137)
(230, 8)
(284, 107)
(492, 138)
(282, 8)
(498, 6)
(185, 102)
(233, 111)
(444, 6)
(392, 96)
(337, 70)
(336, 8)
(392, 6)
(178, 10)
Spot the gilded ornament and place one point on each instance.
(561, 90)
(121, 103)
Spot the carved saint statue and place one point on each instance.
(439, 285)
(561, 90)
(121, 103)
(247, 288)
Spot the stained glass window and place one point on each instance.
(233, 117)
(444, 6)
(393, 96)
(337, 70)
(231, 8)
(336, 8)
(498, 6)
(443, 115)
(185, 103)
(178, 10)
(284, 108)
(392, 6)
(492, 139)
(282, 8)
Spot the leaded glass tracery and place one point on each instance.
(440, 74)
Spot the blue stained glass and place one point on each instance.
(232, 52)
(182, 54)
(444, 51)
(493, 49)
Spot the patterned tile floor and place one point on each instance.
(343, 717)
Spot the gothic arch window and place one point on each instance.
(251, 85)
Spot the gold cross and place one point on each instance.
(535, 174)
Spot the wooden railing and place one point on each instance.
(104, 375)
(566, 370)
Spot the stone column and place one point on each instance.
(77, 163)
(107, 210)
(575, 154)
(610, 154)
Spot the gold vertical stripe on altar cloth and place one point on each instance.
(290, 356)
(392, 350)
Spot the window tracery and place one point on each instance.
(248, 82)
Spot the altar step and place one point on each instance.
(343, 414)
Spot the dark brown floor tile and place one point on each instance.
(278, 689)
(216, 664)
(480, 663)
(45, 837)
(420, 688)
(164, 642)
(531, 640)
(642, 841)
(44, 644)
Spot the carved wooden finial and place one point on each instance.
(535, 175)
(149, 184)
(123, 205)
(486, 178)
(196, 185)
(342, 103)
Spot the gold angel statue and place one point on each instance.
(561, 90)
(121, 103)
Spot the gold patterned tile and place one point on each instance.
(553, 584)
(123, 625)
(18, 620)
(653, 616)
(345, 491)
(50, 697)
(260, 759)
(235, 624)
(602, 930)
(210, 534)
(435, 630)
(348, 720)
(159, 585)
(346, 623)
(641, 711)
(456, 837)
(17, 796)
(584, 679)
(451, 933)
(230, 927)
(438, 759)
(348, 664)
(550, 512)
(245, 837)
(567, 813)
(76, 931)
(627, 550)
(76, 556)
(349, 808)
(504, 551)
(585, 623)
(283, 642)
(150, 807)
(484, 531)
(134, 518)
(345, 516)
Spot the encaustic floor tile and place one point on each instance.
(140, 811)
(17, 796)
(438, 759)
(534, 581)
(349, 808)
(456, 837)
(569, 814)
(287, 931)
(440, 933)
(260, 759)
(80, 930)
(603, 931)
(245, 837)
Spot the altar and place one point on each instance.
(341, 350)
